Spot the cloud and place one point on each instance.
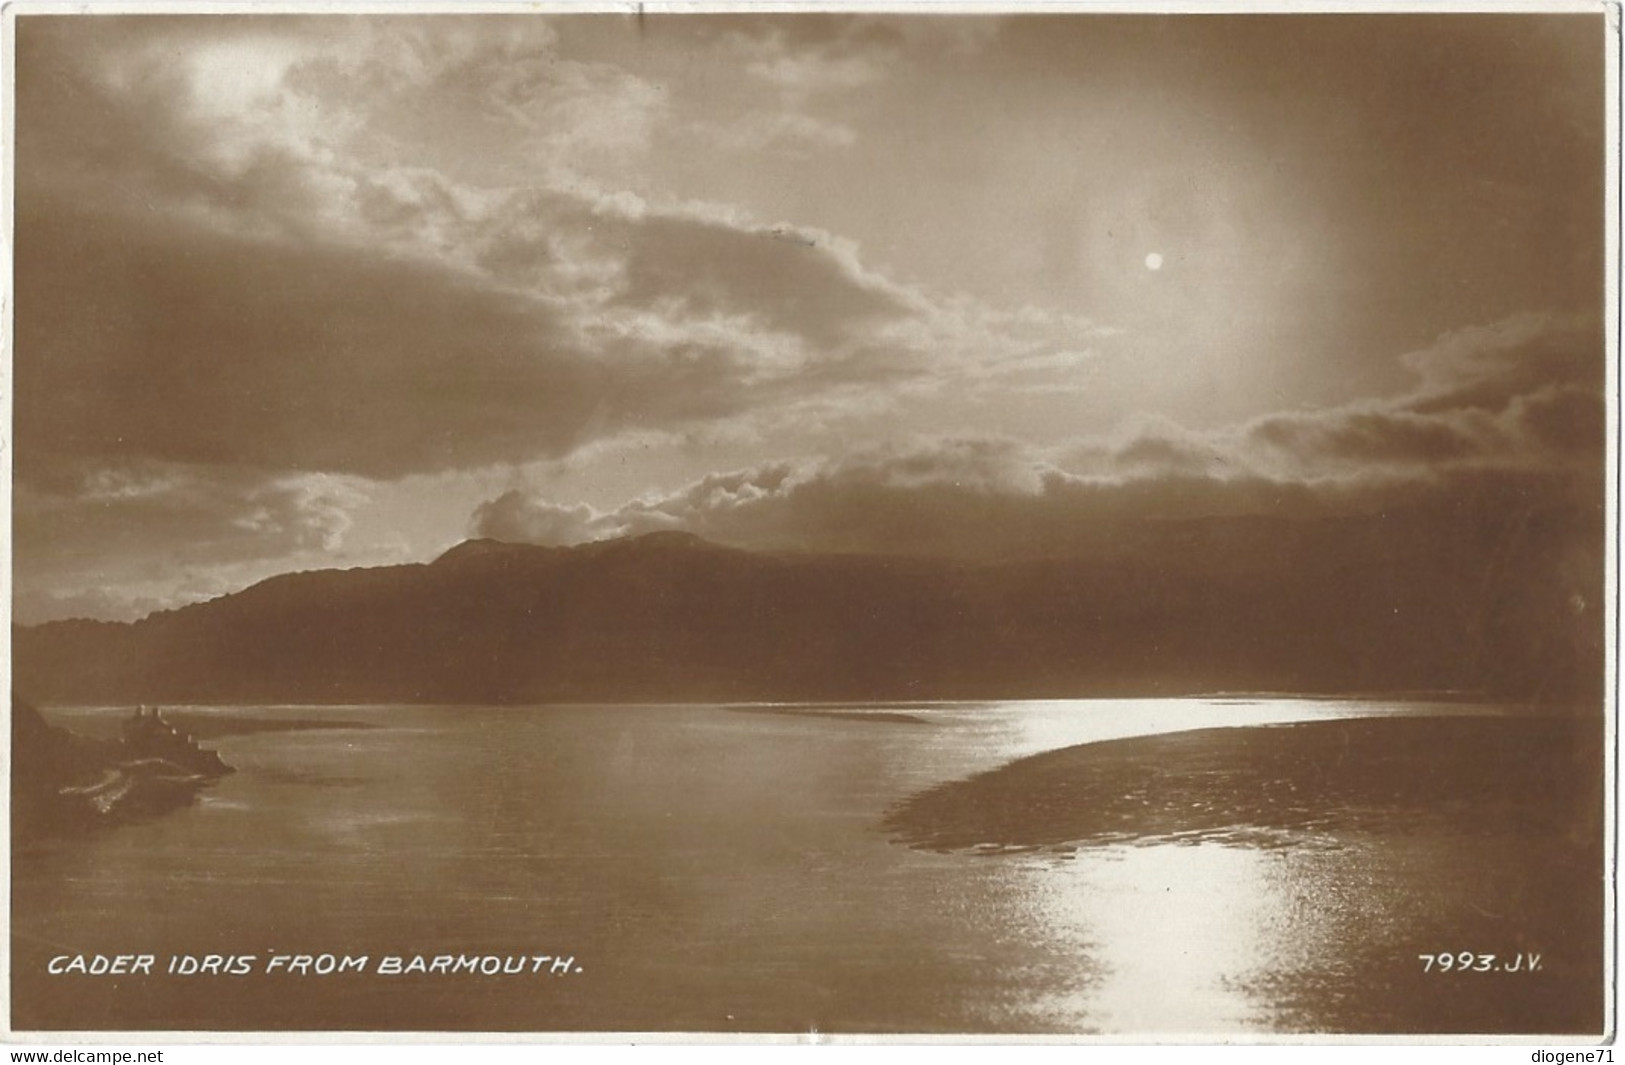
(802, 72)
(516, 517)
(969, 497)
(256, 271)
(806, 55)
(491, 84)
(787, 131)
(253, 253)
(118, 541)
(218, 514)
(1487, 367)
(159, 341)
(1524, 393)
(308, 512)
(805, 74)
(37, 605)
(794, 280)
(294, 287)
(152, 338)
(991, 500)
(1363, 438)
(998, 497)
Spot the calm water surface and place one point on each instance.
(724, 869)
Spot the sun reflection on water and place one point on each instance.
(1030, 727)
(1171, 928)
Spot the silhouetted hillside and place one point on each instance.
(1511, 607)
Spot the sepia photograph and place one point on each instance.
(926, 523)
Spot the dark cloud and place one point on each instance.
(105, 114)
(1539, 446)
(1554, 424)
(789, 278)
(1489, 367)
(1565, 421)
(154, 339)
(197, 289)
(882, 503)
(221, 515)
(1165, 449)
(964, 497)
(1364, 437)
(116, 542)
(1522, 393)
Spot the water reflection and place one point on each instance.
(1273, 786)
(1168, 928)
(1288, 878)
(1028, 728)
(727, 871)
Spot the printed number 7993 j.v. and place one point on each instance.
(1466, 961)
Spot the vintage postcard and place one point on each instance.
(1077, 523)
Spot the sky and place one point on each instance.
(300, 292)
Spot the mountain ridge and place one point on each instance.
(1380, 602)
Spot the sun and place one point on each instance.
(1153, 261)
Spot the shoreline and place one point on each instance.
(1466, 773)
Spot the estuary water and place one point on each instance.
(733, 869)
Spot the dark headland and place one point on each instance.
(62, 781)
